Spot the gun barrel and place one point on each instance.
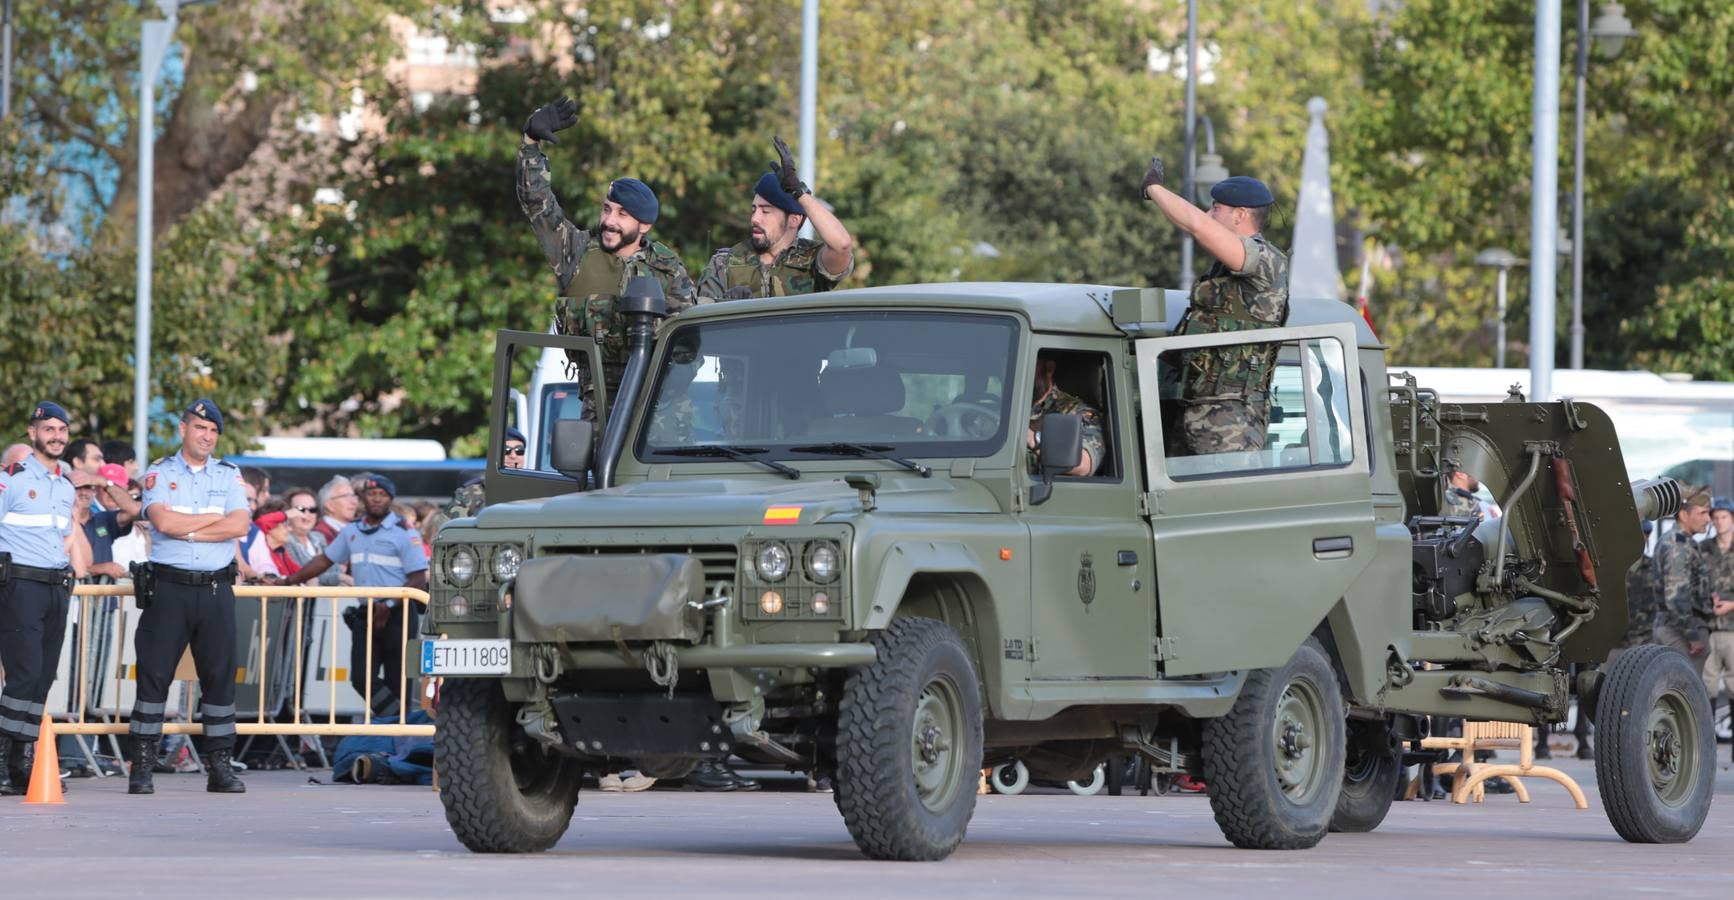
(1656, 498)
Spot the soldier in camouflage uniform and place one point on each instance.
(1683, 582)
(592, 266)
(1640, 601)
(1719, 556)
(1225, 400)
(775, 262)
(1050, 399)
(1459, 497)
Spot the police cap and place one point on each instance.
(1241, 190)
(207, 410)
(635, 197)
(48, 409)
(771, 189)
(372, 480)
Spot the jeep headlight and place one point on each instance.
(507, 559)
(772, 561)
(823, 562)
(461, 566)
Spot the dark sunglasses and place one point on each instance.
(305, 509)
(514, 451)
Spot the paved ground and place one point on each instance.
(287, 837)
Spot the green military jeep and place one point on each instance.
(811, 534)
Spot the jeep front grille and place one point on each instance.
(719, 560)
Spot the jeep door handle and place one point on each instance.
(1333, 547)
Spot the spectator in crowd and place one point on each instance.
(85, 455)
(14, 454)
(338, 504)
(432, 517)
(98, 529)
(306, 541)
(134, 545)
(120, 453)
(270, 553)
(260, 480)
(408, 515)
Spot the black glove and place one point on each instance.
(1153, 175)
(557, 116)
(787, 177)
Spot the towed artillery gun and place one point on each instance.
(808, 533)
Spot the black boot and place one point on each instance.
(742, 782)
(711, 775)
(18, 763)
(8, 786)
(220, 777)
(144, 760)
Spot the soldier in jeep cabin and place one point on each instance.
(774, 261)
(1225, 399)
(592, 266)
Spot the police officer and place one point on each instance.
(1050, 399)
(1225, 397)
(36, 499)
(592, 266)
(775, 261)
(382, 552)
(197, 506)
(1684, 606)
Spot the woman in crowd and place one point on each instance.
(304, 541)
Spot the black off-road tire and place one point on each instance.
(902, 794)
(1244, 753)
(1371, 772)
(1654, 748)
(502, 792)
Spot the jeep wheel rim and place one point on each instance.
(1298, 727)
(933, 744)
(1670, 748)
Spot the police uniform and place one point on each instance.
(592, 279)
(192, 604)
(35, 520)
(1058, 401)
(1225, 398)
(379, 554)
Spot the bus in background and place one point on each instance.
(1668, 426)
(418, 467)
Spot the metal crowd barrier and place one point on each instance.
(299, 725)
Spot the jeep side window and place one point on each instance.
(1308, 423)
(1080, 377)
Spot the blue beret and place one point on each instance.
(1241, 190)
(513, 434)
(372, 480)
(208, 411)
(48, 409)
(1722, 503)
(771, 189)
(635, 197)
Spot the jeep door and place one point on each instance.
(1253, 548)
(1091, 615)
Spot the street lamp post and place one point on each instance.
(1191, 131)
(1200, 178)
(809, 98)
(1503, 260)
(1611, 31)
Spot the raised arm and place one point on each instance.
(1216, 238)
(838, 257)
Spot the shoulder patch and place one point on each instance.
(224, 462)
(150, 480)
(15, 468)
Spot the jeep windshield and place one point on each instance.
(864, 384)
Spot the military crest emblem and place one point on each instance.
(1086, 579)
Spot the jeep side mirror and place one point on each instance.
(573, 443)
(1060, 450)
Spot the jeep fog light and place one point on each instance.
(458, 607)
(462, 566)
(772, 562)
(770, 603)
(821, 603)
(822, 563)
(507, 559)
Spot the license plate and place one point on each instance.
(461, 657)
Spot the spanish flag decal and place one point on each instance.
(783, 515)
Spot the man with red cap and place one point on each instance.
(776, 262)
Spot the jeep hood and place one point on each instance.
(738, 501)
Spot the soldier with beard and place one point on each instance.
(775, 262)
(592, 266)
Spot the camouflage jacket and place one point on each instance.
(1254, 296)
(566, 246)
(1058, 401)
(467, 500)
(797, 270)
(1459, 502)
(1640, 602)
(1683, 587)
(1721, 563)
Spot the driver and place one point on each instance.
(1050, 399)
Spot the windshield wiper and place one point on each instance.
(750, 454)
(868, 451)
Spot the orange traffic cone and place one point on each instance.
(45, 772)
